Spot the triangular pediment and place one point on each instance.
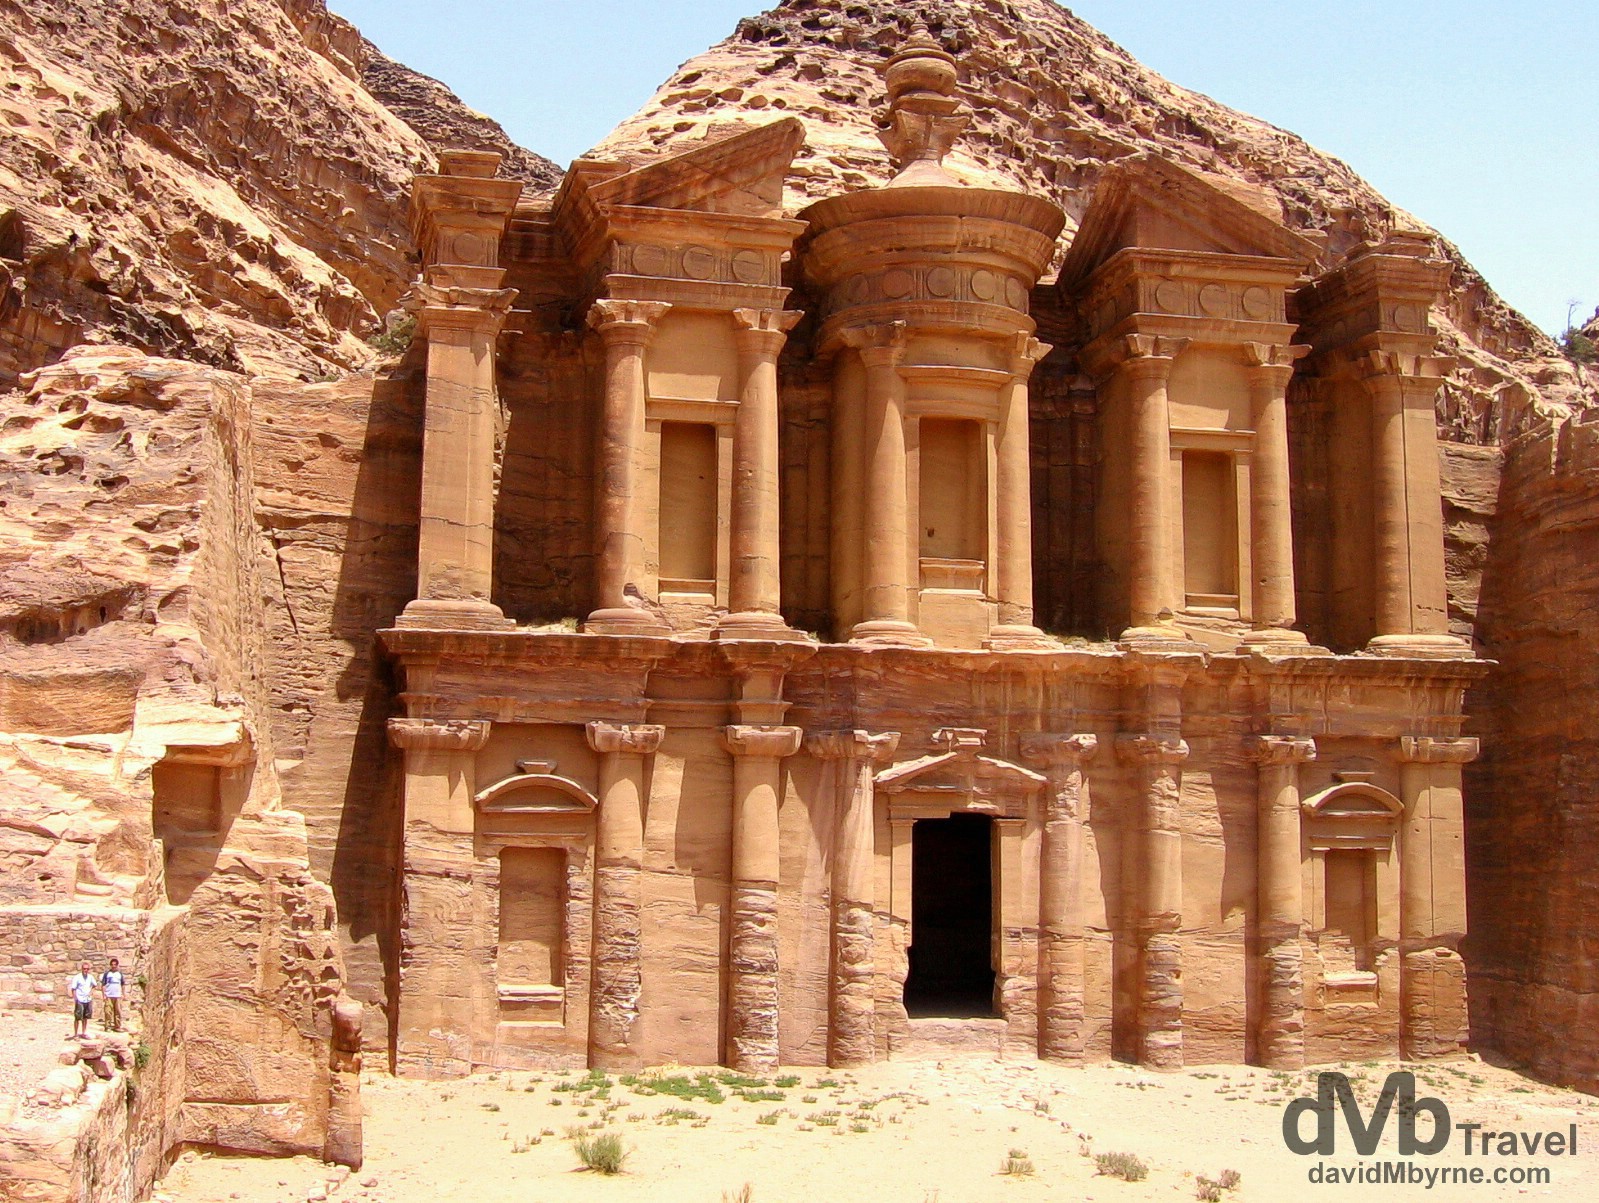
(1147, 202)
(741, 174)
(960, 772)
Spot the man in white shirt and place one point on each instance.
(82, 987)
(111, 990)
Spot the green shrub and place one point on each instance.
(1125, 1166)
(1016, 1164)
(604, 1153)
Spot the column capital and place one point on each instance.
(1151, 749)
(1025, 352)
(639, 738)
(1431, 749)
(1271, 365)
(853, 745)
(881, 344)
(627, 323)
(764, 331)
(1281, 749)
(1147, 355)
(745, 739)
(442, 309)
(1046, 747)
(438, 735)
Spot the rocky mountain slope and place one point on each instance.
(208, 180)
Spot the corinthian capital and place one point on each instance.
(852, 745)
(640, 738)
(750, 740)
(1430, 749)
(627, 322)
(1282, 749)
(881, 344)
(438, 735)
(1047, 747)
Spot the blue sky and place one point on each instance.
(1478, 117)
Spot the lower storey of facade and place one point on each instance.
(627, 851)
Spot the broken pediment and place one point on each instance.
(536, 790)
(972, 781)
(740, 175)
(1149, 203)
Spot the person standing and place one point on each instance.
(82, 987)
(111, 991)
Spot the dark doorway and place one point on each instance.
(952, 916)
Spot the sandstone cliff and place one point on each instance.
(214, 182)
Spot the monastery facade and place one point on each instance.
(978, 645)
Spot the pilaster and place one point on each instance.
(1279, 907)
(626, 329)
(852, 755)
(1158, 759)
(624, 750)
(1432, 903)
(1062, 960)
(752, 1021)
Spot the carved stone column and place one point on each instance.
(1270, 500)
(1013, 505)
(755, 588)
(1280, 906)
(1160, 1006)
(1412, 597)
(455, 536)
(758, 753)
(618, 890)
(1154, 594)
(1432, 896)
(626, 328)
(1061, 954)
(852, 1005)
(886, 584)
(445, 959)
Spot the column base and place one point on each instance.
(889, 632)
(1019, 638)
(1159, 635)
(624, 620)
(757, 624)
(453, 614)
(1283, 640)
(1434, 647)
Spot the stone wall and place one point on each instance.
(41, 947)
(1532, 804)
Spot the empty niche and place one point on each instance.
(532, 898)
(1351, 892)
(954, 490)
(1210, 531)
(187, 819)
(688, 507)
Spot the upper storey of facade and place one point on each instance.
(657, 404)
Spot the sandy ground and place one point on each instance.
(29, 1044)
(893, 1133)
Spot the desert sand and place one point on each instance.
(916, 1132)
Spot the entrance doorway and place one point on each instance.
(952, 913)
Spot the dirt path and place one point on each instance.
(893, 1133)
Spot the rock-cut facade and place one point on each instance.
(891, 629)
